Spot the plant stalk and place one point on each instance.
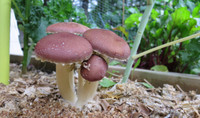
(5, 7)
(165, 45)
(25, 53)
(145, 18)
(26, 47)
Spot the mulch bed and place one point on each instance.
(36, 95)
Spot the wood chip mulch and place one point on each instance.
(36, 95)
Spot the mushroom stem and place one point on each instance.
(65, 81)
(87, 92)
(81, 82)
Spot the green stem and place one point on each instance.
(145, 17)
(165, 45)
(5, 6)
(25, 53)
(26, 47)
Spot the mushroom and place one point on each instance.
(64, 49)
(92, 70)
(106, 44)
(70, 27)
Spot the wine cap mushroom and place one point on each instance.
(70, 27)
(63, 48)
(108, 43)
(94, 69)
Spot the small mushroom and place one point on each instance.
(64, 49)
(92, 70)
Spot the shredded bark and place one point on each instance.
(36, 95)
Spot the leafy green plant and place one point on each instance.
(33, 18)
(164, 27)
(172, 22)
(29, 16)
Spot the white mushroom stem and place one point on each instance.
(87, 92)
(65, 81)
(81, 82)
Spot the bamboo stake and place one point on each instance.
(5, 7)
(145, 17)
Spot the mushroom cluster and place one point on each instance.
(75, 47)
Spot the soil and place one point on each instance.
(36, 95)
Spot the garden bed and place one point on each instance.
(36, 94)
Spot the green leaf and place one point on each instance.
(196, 12)
(195, 29)
(137, 64)
(173, 53)
(187, 27)
(133, 20)
(180, 15)
(146, 85)
(161, 68)
(194, 45)
(106, 82)
(158, 33)
(195, 71)
(123, 30)
(154, 14)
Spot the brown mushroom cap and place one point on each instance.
(70, 27)
(108, 43)
(63, 48)
(94, 69)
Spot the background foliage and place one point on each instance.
(170, 20)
